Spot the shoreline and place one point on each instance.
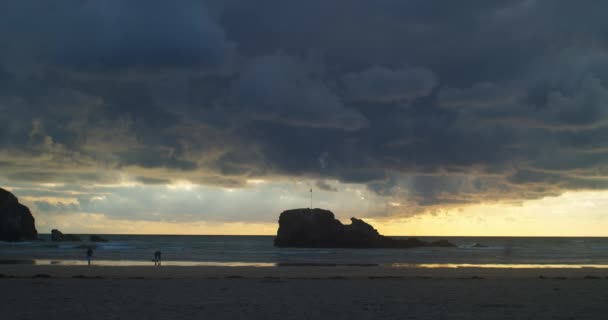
(233, 264)
(301, 272)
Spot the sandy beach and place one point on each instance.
(58, 292)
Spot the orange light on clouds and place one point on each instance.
(571, 214)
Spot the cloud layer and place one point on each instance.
(424, 103)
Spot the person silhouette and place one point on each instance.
(89, 255)
(157, 258)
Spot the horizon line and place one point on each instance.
(272, 235)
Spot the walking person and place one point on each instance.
(157, 258)
(89, 255)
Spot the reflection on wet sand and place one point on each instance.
(499, 266)
(135, 263)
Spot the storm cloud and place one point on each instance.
(424, 103)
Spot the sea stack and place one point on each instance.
(16, 220)
(57, 235)
(96, 238)
(318, 228)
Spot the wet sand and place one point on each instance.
(58, 292)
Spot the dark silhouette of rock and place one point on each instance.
(16, 220)
(318, 228)
(479, 245)
(95, 238)
(57, 235)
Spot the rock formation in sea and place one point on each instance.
(479, 245)
(16, 220)
(318, 228)
(57, 235)
(95, 238)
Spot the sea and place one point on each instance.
(259, 251)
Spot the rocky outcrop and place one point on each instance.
(95, 238)
(318, 228)
(16, 220)
(57, 235)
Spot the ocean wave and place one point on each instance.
(235, 249)
(68, 246)
(304, 252)
(473, 247)
(114, 246)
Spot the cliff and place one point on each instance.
(16, 220)
(318, 228)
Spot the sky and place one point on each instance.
(423, 117)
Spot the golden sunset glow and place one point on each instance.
(571, 214)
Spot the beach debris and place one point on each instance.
(554, 278)
(82, 276)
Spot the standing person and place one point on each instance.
(89, 255)
(157, 258)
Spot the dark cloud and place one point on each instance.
(152, 180)
(107, 36)
(428, 103)
(480, 95)
(584, 107)
(149, 34)
(324, 185)
(56, 207)
(385, 85)
(284, 89)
